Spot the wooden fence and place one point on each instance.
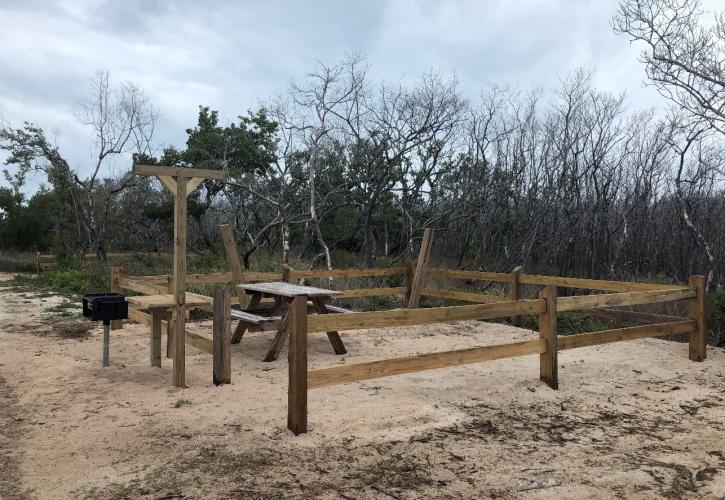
(44, 260)
(483, 306)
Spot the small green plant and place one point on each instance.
(182, 402)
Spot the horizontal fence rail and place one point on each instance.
(621, 334)
(623, 299)
(324, 377)
(467, 296)
(408, 317)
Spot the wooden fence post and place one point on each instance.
(421, 269)
(297, 361)
(37, 262)
(548, 361)
(516, 292)
(286, 273)
(222, 337)
(698, 351)
(170, 321)
(116, 272)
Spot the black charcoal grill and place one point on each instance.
(105, 307)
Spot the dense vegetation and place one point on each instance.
(568, 181)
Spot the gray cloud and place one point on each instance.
(229, 55)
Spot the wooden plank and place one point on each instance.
(155, 350)
(348, 273)
(421, 267)
(698, 351)
(170, 324)
(197, 340)
(342, 374)
(235, 264)
(481, 298)
(334, 337)
(289, 290)
(469, 275)
(141, 287)
(166, 301)
(168, 182)
(116, 273)
(621, 334)
(179, 373)
(516, 292)
(369, 292)
(222, 338)
(186, 173)
(623, 299)
(548, 361)
(297, 361)
(609, 286)
(193, 184)
(201, 342)
(630, 316)
(406, 317)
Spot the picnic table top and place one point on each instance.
(284, 289)
(165, 301)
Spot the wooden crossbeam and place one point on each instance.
(158, 170)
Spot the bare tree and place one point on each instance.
(122, 122)
(683, 60)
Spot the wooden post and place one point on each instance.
(548, 361)
(156, 336)
(698, 351)
(285, 273)
(297, 361)
(170, 321)
(516, 292)
(222, 337)
(37, 262)
(235, 265)
(179, 376)
(421, 269)
(116, 324)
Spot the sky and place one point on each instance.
(230, 55)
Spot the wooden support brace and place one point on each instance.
(235, 265)
(416, 288)
(548, 361)
(698, 351)
(297, 361)
(222, 371)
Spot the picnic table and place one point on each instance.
(159, 307)
(283, 293)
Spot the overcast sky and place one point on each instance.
(230, 55)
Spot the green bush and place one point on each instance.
(17, 262)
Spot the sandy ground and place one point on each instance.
(630, 419)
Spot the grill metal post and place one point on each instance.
(106, 341)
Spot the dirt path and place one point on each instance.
(631, 419)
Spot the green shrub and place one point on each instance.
(17, 262)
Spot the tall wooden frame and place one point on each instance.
(179, 182)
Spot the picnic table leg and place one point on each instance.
(334, 337)
(156, 316)
(242, 325)
(279, 338)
